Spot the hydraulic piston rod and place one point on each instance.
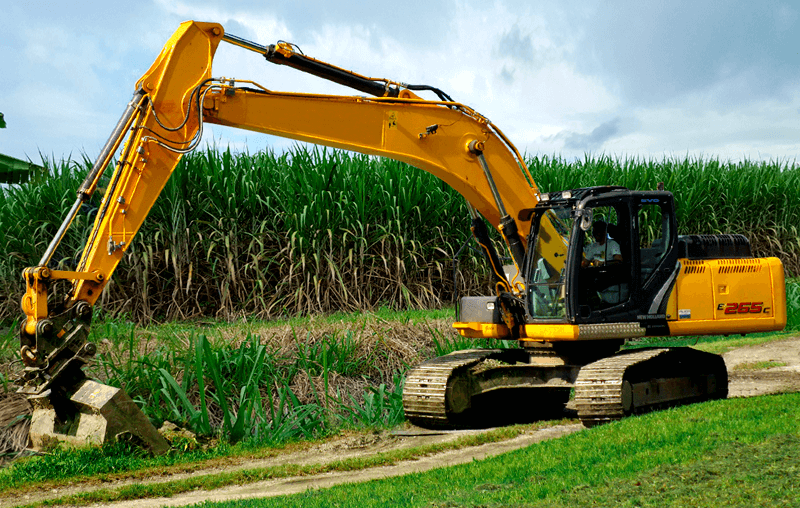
(90, 183)
(508, 226)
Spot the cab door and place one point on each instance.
(657, 256)
(604, 261)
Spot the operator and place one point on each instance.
(604, 251)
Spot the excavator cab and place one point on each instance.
(603, 265)
(618, 254)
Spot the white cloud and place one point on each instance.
(761, 129)
(56, 117)
(547, 95)
(258, 22)
(545, 73)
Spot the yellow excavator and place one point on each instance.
(589, 267)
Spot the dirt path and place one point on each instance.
(336, 450)
(286, 486)
(746, 380)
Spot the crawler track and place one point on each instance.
(485, 387)
(473, 387)
(429, 388)
(640, 381)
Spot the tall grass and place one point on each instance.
(264, 234)
(308, 231)
(8, 346)
(793, 304)
(268, 384)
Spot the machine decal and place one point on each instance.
(744, 308)
(684, 313)
(392, 122)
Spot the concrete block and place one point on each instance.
(97, 414)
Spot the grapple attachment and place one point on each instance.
(67, 406)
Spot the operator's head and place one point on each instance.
(599, 230)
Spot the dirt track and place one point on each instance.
(744, 382)
(748, 382)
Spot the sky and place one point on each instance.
(639, 79)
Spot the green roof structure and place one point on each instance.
(14, 170)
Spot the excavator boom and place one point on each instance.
(177, 95)
(165, 120)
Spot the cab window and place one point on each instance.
(653, 235)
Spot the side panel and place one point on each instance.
(555, 332)
(728, 296)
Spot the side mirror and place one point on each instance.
(586, 219)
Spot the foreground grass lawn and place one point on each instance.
(738, 452)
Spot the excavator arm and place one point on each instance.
(165, 119)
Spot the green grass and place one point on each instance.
(244, 326)
(271, 382)
(158, 363)
(739, 452)
(249, 390)
(122, 462)
(736, 452)
(759, 365)
(267, 382)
